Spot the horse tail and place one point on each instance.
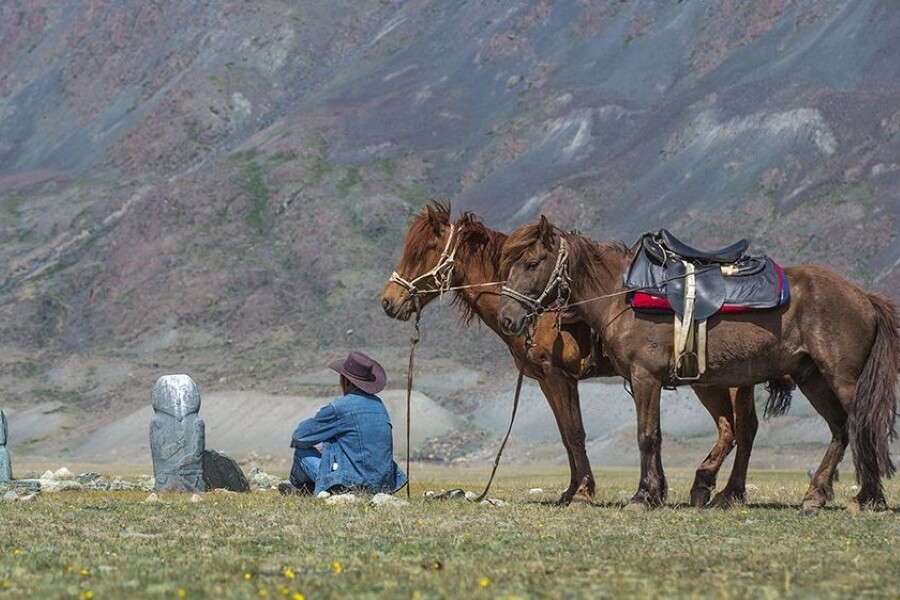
(780, 396)
(873, 418)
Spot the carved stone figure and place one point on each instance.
(5, 464)
(177, 435)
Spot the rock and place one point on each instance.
(536, 492)
(340, 498)
(48, 476)
(260, 480)
(28, 498)
(382, 499)
(196, 497)
(151, 498)
(223, 472)
(88, 477)
(10, 496)
(64, 474)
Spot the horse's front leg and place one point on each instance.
(652, 488)
(561, 392)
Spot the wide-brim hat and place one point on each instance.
(362, 371)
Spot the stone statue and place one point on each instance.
(177, 435)
(5, 464)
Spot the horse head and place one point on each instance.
(534, 256)
(426, 265)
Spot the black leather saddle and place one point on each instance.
(727, 255)
(725, 276)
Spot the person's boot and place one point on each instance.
(289, 489)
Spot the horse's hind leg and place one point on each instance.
(823, 399)
(718, 402)
(745, 427)
(562, 396)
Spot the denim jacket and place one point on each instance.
(357, 444)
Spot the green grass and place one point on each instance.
(113, 545)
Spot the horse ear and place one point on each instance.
(433, 219)
(545, 232)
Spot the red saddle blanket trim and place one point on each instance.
(647, 302)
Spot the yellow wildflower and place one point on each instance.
(337, 567)
(484, 582)
(248, 576)
(288, 573)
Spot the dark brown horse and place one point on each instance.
(839, 344)
(465, 256)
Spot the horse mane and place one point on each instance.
(585, 255)
(477, 243)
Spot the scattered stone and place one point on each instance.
(536, 492)
(88, 477)
(5, 463)
(323, 495)
(195, 497)
(28, 498)
(341, 498)
(10, 496)
(260, 480)
(382, 499)
(222, 472)
(48, 476)
(64, 474)
(177, 435)
(151, 498)
(459, 462)
(750, 488)
(493, 502)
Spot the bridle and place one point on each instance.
(558, 283)
(440, 274)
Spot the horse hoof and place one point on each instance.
(700, 498)
(810, 510)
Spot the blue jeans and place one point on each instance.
(306, 466)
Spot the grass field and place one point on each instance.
(115, 545)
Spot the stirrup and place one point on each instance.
(682, 363)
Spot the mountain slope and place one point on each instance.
(221, 188)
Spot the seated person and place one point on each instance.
(355, 435)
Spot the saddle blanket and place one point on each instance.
(765, 287)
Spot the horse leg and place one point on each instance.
(823, 399)
(745, 426)
(562, 396)
(718, 402)
(652, 488)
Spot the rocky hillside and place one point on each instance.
(221, 187)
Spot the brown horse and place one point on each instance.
(465, 256)
(839, 344)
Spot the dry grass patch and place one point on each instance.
(113, 544)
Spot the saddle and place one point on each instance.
(669, 276)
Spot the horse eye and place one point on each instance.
(531, 265)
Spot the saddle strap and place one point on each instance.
(690, 336)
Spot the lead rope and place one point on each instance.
(413, 340)
(512, 419)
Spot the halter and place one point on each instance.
(440, 273)
(558, 282)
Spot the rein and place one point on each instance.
(512, 419)
(559, 282)
(441, 275)
(413, 340)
